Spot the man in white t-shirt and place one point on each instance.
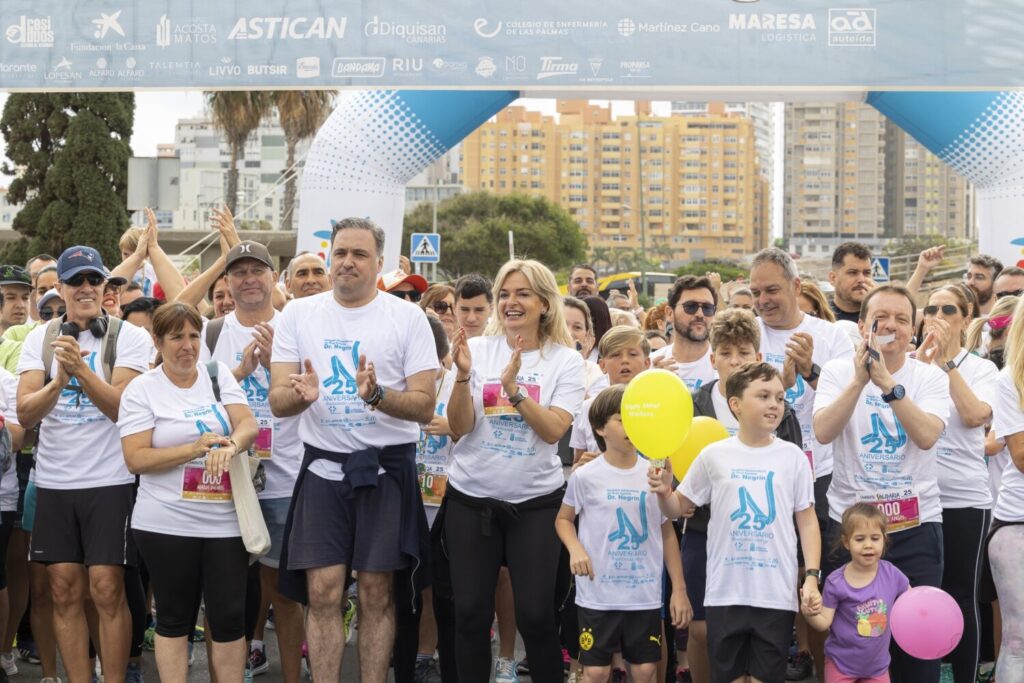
(884, 413)
(353, 364)
(243, 340)
(84, 490)
(692, 304)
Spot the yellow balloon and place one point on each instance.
(703, 432)
(656, 412)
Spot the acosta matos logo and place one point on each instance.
(285, 28)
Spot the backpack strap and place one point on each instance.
(108, 347)
(52, 332)
(212, 368)
(213, 330)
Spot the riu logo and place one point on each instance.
(586, 639)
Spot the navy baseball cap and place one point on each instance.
(14, 275)
(75, 260)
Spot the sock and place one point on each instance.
(256, 645)
(421, 657)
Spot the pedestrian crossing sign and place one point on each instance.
(425, 247)
(880, 268)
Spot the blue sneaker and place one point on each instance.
(133, 674)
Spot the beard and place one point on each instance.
(697, 336)
(983, 297)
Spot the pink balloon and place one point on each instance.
(926, 622)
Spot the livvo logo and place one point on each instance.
(854, 27)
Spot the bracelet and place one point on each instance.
(463, 381)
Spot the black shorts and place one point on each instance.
(636, 634)
(83, 526)
(361, 532)
(694, 549)
(748, 640)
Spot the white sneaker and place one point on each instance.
(7, 661)
(505, 671)
(49, 680)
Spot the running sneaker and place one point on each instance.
(270, 618)
(8, 665)
(258, 660)
(619, 676)
(426, 671)
(199, 634)
(986, 672)
(505, 671)
(191, 653)
(133, 674)
(27, 651)
(50, 680)
(523, 667)
(247, 676)
(349, 618)
(800, 667)
(683, 676)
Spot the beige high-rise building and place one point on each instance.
(834, 176)
(923, 195)
(701, 195)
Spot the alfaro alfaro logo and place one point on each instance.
(283, 28)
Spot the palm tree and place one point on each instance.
(236, 114)
(600, 256)
(302, 112)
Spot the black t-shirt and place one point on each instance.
(844, 315)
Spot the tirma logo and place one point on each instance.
(283, 28)
(551, 67)
(480, 26)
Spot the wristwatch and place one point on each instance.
(816, 573)
(517, 398)
(896, 394)
(815, 373)
(376, 397)
(948, 367)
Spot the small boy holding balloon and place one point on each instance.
(757, 485)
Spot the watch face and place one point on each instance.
(898, 391)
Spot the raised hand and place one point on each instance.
(207, 441)
(263, 337)
(249, 361)
(510, 375)
(931, 257)
(366, 378)
(307, 384)
(225, 223)
(461, 357)
(801, 348)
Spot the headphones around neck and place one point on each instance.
(98, 327)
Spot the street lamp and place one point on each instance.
(643, 224)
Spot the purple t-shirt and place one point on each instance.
(858, 641)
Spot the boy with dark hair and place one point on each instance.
(621, 552)
(473, 301)
(757, 486)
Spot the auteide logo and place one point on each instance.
(281, 28)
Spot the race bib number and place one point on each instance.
(810, 459)
(433, 487)
(901, 511)
(263, 445)
(496, 401)
(199, 486)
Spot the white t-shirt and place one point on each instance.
(830, 343)
(722, 412)
(963, 472)
(180, 501)
(283, 458)
(145, 277)
(752, 537)
(595, 379)
(875, 460)
(392, 333)
(1008, 419)
(582, 435)
(620, 528)
(503, 457)
(79, 447)
(434, 453)
(9, 409)
(996, 466)
(694, 374)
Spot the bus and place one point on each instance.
(658, 284)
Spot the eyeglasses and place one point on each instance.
(94, 279)
(442, 307)
(1015, 292)
(947, 309)
(48, 313)
(690, 307)
(408, 294)
(242, 273)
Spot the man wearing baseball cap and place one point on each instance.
(243, 339)
(16, 289)
(408, 286)
(84, 490)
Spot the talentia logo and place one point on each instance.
(851, 27)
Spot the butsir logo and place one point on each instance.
(284, 28)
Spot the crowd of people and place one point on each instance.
(445, 465)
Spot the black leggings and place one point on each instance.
(184, 570)
(135, 594)
(528, 545)
(6, 527)
(964, 530)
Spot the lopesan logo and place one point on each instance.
(772, 22)
(550, 67)
(284, 28)
(417, 32)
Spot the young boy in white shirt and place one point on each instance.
(758, 485)
(622, 546)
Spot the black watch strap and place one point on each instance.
(815, 373)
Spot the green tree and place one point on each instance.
(912, 245)
(69, 154)
(601, 256)
(474, 231)
(237, 114)
(302, 112)
(729, 270)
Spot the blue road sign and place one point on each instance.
(425, 247)
(880, 268)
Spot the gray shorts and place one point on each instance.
(275, 513)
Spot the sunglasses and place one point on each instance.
(1016, 292)
(690, 307)
(409, 295)
(442, 307)
(48, 313)
(947, 309)
(94, 279)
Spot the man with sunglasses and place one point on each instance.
(692, 304)
(84, 490)
(243, 339)
(1010, 282)
(408, 286)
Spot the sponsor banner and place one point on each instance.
(75, 44)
